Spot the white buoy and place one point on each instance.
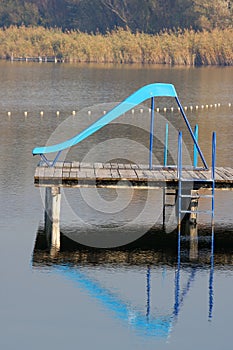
(89, 112)
(141, 110)
(202, 106)
(219, 104)
(157, 109)
(41, 113)
(25, 114)
(132, 111)
(229, 104)
(191, 108)
(178, 108)
(185, 108)
(211, 106)
(73, 112)
(165, 109)
(197, 107)
(172, 109)
(58, 113)
(9, 114)
(104, 112)
(215, 105)
(206, 106)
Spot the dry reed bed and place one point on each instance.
(178, 47)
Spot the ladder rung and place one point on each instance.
(196, 197)
(196, 180)
(196, 211)
(169, 205)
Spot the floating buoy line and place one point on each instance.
(141, 110)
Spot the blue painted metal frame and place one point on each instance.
(151, 131)
(191, 133)
(179, 175)
(213, 174)
(141, 95)
(165, 146)
(195, 154)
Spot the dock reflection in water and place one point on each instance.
(145, 284)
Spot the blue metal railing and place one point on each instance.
(181, 180)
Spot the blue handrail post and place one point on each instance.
(165, 146)
(213, 173)
(195, 153)
(179, 175)
(179, 160)
(151, 131)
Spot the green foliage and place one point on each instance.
(150, 16)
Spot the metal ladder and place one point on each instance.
(182, 180)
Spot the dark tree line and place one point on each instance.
(149, 16)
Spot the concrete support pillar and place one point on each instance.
(52, 216)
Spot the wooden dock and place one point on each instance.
(112, 175)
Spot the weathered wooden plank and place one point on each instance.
(75, 165)
(206, 174)
(128, 166)
(140, 174)
(74, 174)
(219, 174)
(114, 166)
(98, 165)
(230, 170)
(107, 165)
(67, 164)
(115, 174)
(168, 175)
(134, 166)
(103, 173)
(67, 175)
(154, 174)
(59, 164)
(121, 166)
(48, 172)
(57, 173)
(128, 174)
(223, 172)
(86, 165)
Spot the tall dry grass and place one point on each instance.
(177, 47)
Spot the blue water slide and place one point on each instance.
(141, 95)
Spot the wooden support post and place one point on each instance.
(189, 203)
(169, 203)
(193, 248)
(193, 207)
(52, 216)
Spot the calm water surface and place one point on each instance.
(129, 299)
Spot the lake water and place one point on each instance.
(134, 298)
